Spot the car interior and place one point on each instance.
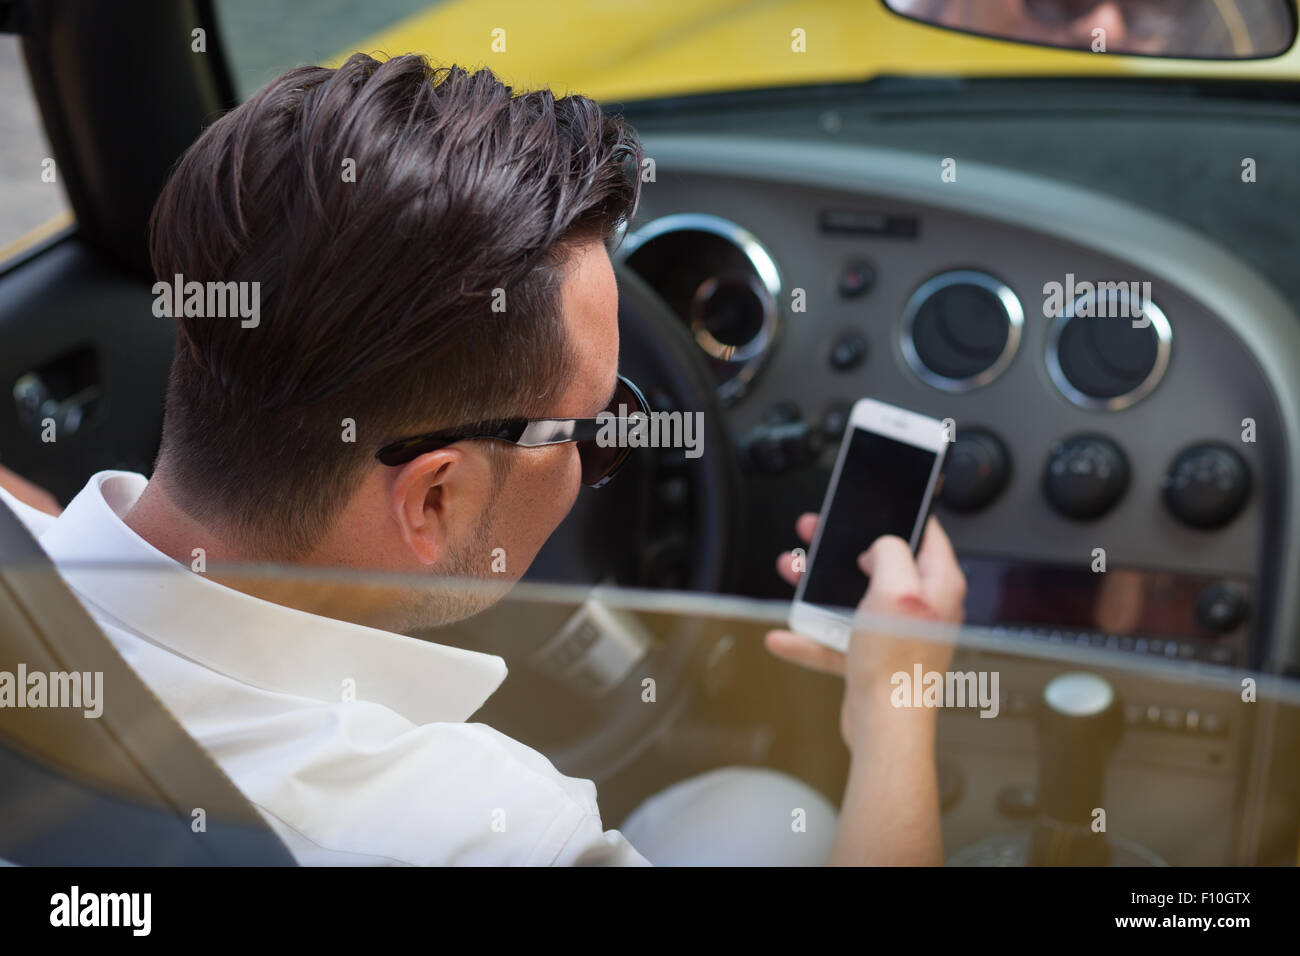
(920, 239)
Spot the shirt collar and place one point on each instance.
(249, 639)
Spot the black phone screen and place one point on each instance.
(881, 488)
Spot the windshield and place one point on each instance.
(654, 49)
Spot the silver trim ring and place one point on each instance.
(753, 347)
(1164, 338)
(1015, 314)
(748, 355)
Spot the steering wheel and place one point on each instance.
(665, 521)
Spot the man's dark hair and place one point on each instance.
(382, 207)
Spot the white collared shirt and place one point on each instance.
(396, 776)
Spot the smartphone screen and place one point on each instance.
(881, 489)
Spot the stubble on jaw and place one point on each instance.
(465, 584)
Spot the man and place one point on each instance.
(382, 210)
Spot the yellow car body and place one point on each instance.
(633, 49)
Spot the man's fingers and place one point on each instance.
(936, 552)
(785, 568)
(944, 581)
(888, 562)
(805, 652)
(806, 526)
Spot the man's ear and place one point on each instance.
(422, 505)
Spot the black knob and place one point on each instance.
(976, 471)
(848, 351)
(782, 413)
(1221, 608)
(1085, 476)
(775, 447)
(1207, 485)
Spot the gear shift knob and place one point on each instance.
(1080, 720)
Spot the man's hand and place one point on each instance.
(930, 587)
(890, 812)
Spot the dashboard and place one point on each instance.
(1153, 439)
(1123, 393)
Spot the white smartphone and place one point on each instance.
(886, 475)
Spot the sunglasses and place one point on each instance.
(600, 462)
